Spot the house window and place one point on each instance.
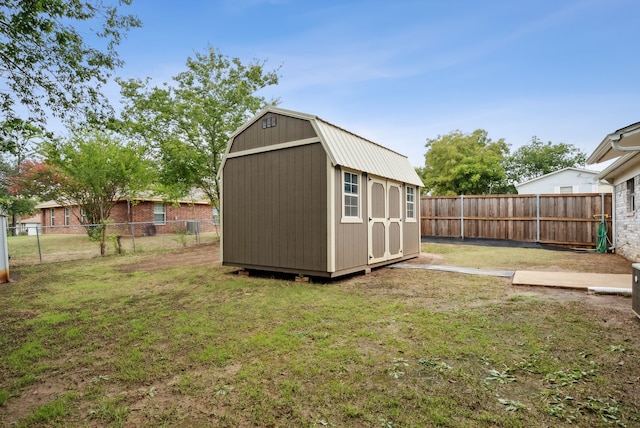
(411, 203)
(159, 213)
(52, 217)
(83, 215)
(350, 196)
(66, 216)
(631, 194)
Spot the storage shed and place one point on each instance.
(303, 196)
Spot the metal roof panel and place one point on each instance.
(352, 151)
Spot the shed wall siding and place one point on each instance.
(275, 208)
(287, 129)
(351, 238)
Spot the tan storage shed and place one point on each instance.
(303, 196)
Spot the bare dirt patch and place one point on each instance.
(611, 309)
(204, 254)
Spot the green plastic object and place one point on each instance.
(601, 241)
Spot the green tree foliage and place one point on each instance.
(538, 158)
(188, 123)
(92, 170)
(13, 204)
(46, 65)
(464, 164)
(19, 140)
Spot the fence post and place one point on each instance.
(4, 251)
(538, 217)
(602, 218)
(133, 237)
(462, 216)
(38, 239)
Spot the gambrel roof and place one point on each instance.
(347, 149)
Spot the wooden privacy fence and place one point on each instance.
(570, 220)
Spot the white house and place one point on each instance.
(624, 175)
(566, 180)
(29, 225)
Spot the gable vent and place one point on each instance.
(269, 122)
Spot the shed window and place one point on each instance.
(159, 213)
(411, 203)
(52, 217)
(66, 216)
(631, 194)
(351, 196)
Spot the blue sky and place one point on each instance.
(399, 72)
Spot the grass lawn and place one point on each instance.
(174, 339)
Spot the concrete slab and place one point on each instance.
(455, 269)
(575, 280)
(572, 280)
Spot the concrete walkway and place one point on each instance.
(575, 280)
(571, 280)
(455, 269)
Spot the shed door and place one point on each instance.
(385, 220)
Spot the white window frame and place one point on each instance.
(52, 217)
(358, 195)
(156, 205)
(83, 215)
(412, 203)
(67, 215)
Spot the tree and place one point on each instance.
(92, 170)
(464, 164)
(19, 140)
(46, 65)
(13, 204)
(538, 158)
(188, 124)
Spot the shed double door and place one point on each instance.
(385, 220)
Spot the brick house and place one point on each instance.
(623, 145)
(146, 217)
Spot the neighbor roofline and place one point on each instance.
(54, 204)
(556, 172)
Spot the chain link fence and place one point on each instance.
(30, 245)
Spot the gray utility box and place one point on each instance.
(635, 290)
